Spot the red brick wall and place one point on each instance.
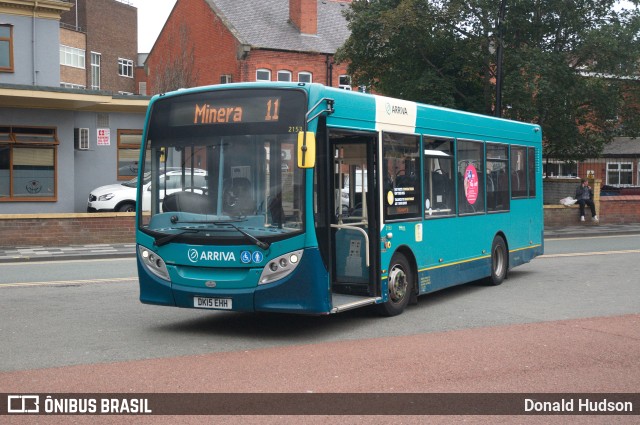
(214, 47)
(304, 15)
(66, 229)
(291, 61)
(112, 31)
(610, 209)
(620, 209)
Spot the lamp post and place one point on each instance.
(499, 58)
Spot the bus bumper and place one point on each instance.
(304, 291)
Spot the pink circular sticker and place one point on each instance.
(471, 184)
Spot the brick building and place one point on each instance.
(208, 42)
(99, 45)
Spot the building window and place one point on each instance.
(6, 48)
(125, 67)
(71, 86)
(305, 77)
(344, 82)
(129, 142)
(72, 56)
(619, 173)
(81, 138)
(28, 163)
(284, 76)
(555, 168)
(95, 71)
(263, 75)
(225, 79)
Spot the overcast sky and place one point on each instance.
(152, 14)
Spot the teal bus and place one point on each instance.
(301, 198)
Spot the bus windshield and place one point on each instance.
(223, 167)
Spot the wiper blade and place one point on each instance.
(256, 241)
(168, 238)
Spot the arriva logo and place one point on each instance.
(396, 110)
(195, 256)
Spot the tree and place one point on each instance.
(570, 66)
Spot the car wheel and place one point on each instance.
(127, 207)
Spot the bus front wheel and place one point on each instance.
(400, 285)
(499, 262)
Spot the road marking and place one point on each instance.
(40, 261)
(583, 254)
(560, 239)
(68, 282)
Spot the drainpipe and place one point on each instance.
(34, 44)
(329, 71)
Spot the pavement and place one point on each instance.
(98, 251)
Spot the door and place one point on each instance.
(354, 221)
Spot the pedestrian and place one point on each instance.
(584, 195)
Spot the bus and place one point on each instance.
(317, 200)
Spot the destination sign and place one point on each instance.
(228, 111)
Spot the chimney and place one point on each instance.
(304, 15)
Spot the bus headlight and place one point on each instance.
(280, 267)
(153, 262)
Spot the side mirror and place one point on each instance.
(306, 149)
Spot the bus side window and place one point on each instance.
(438, 178)
(471, 177)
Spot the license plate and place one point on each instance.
(215, 303)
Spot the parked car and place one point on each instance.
(121, 197)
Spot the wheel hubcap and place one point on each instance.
(397, 284)
(498, 261)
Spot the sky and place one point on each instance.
(152, 14)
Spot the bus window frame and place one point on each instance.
(508, 168)
(454, 209)
(481, 184)
(525, 148)
(418, 215)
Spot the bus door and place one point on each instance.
(355, 220)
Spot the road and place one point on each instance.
(567, 322)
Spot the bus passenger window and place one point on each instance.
(518, 172)
(439, 187)
(401, 166)
(497, 177)
(470, 177)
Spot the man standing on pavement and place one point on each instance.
(584, 195)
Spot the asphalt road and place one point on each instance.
(567, 322)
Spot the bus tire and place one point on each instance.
(499, 262)
(400, 284)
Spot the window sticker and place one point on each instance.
(471, 184)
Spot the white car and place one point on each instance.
(121, 197)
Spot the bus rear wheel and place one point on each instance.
(499, 262)
(400, 285)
